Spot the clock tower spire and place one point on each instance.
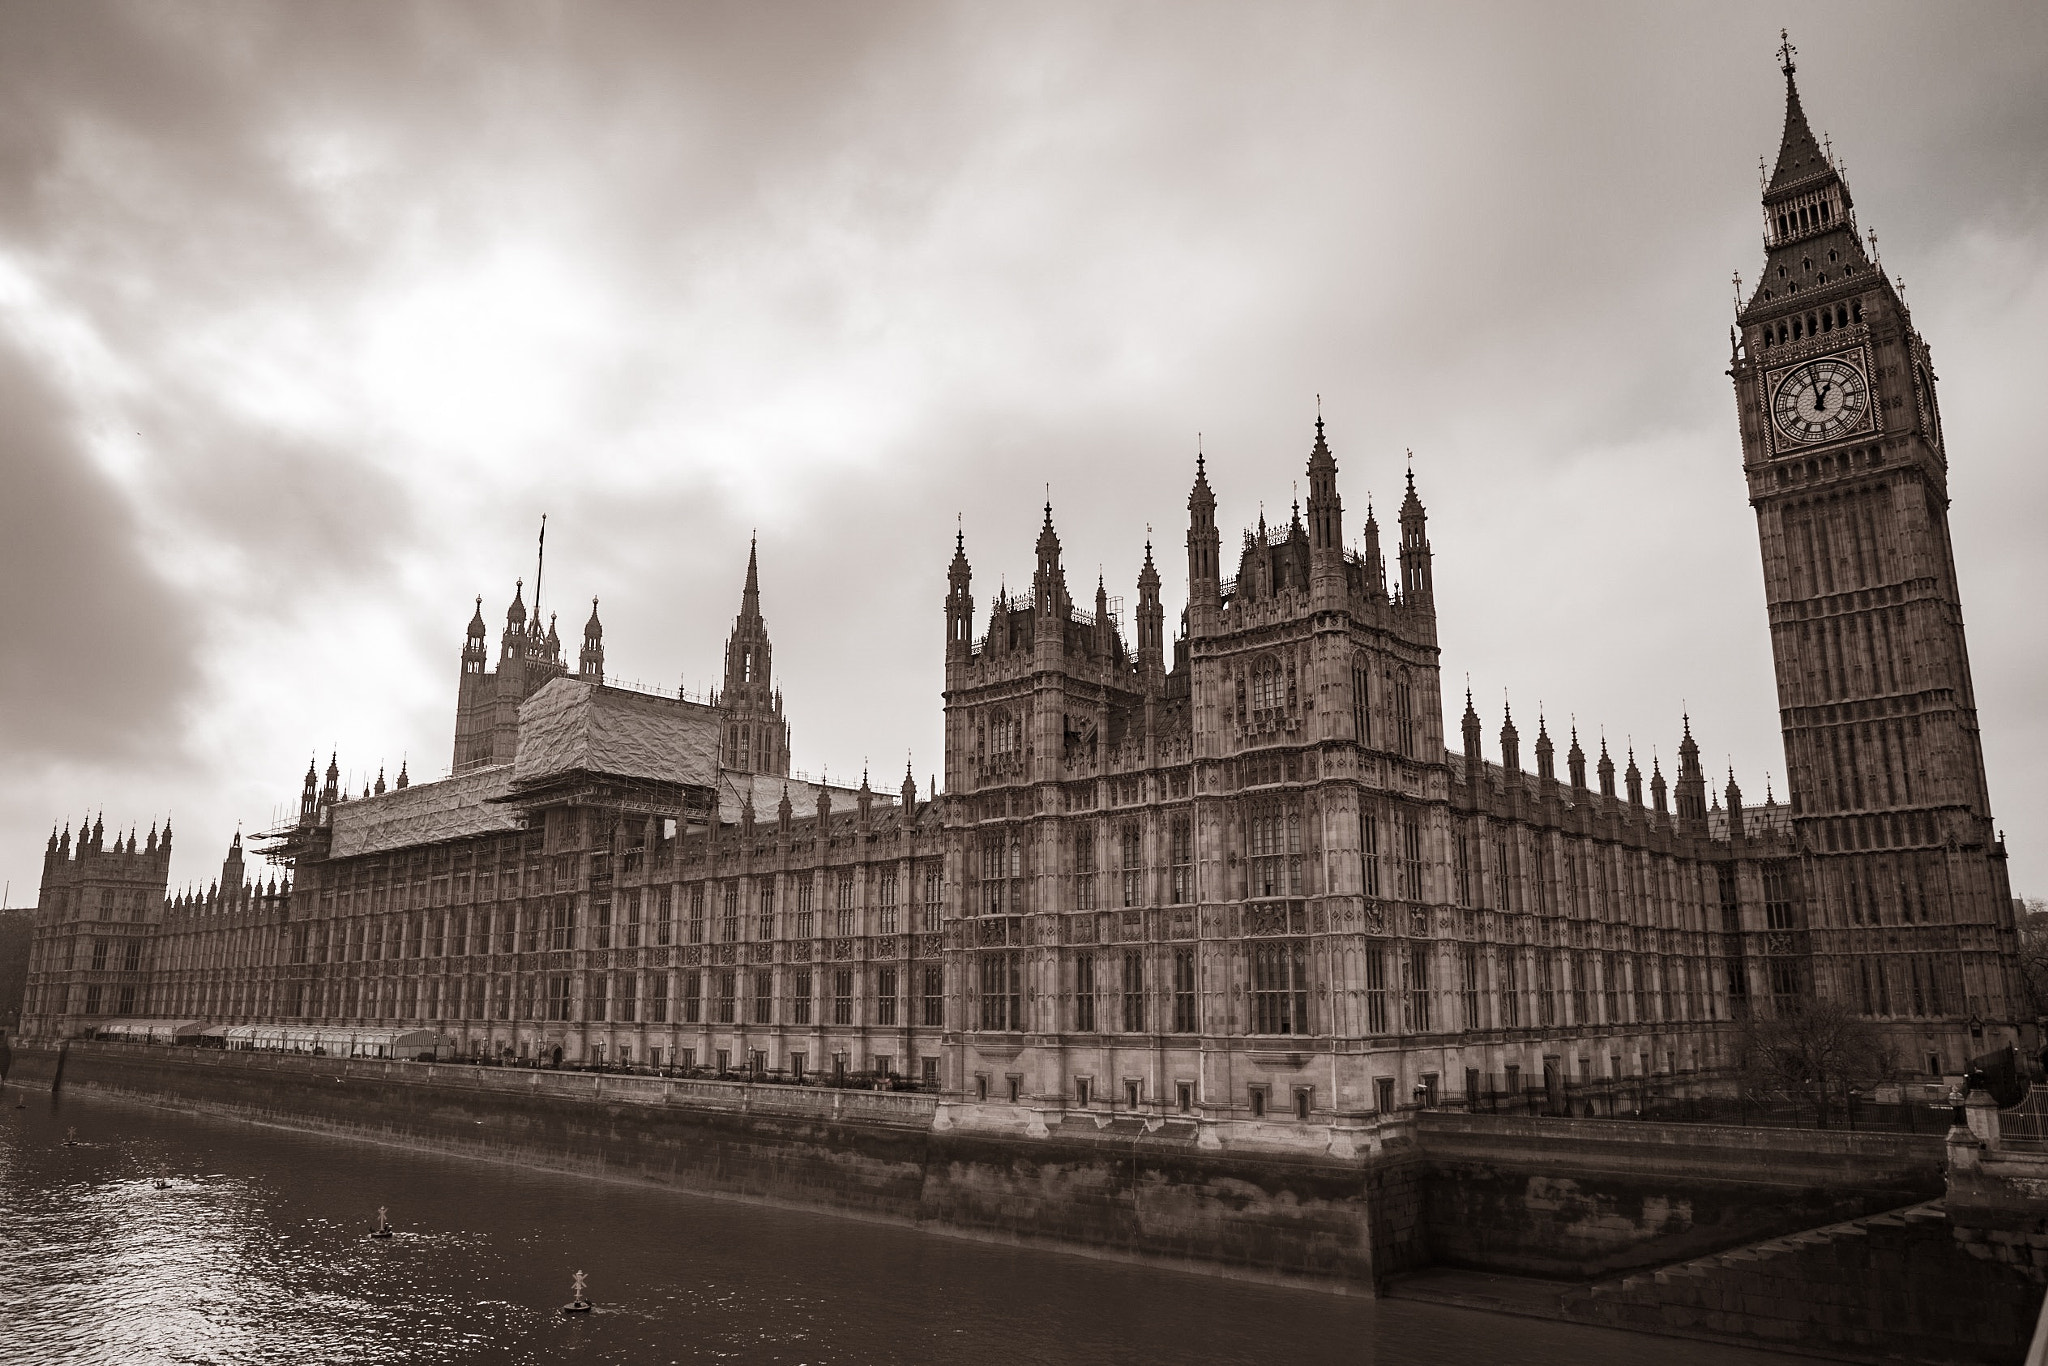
(1848, 474)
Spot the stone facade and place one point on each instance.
(1238, 876)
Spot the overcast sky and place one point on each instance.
(308, 313)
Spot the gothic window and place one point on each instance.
(1376, 988)
(1280, 987)
(1184, 991)
(886, 894)
(1408, 826)
(1274, 843)
(1369, 849)
(1510, 994)
(1084, 993)
(1416, 1000)
(1134, 991)
(1183, 853)
(1468, 985)
(842, 996)
(885, 996)
(1002, 991)
(1084, 866)
(1361, 702)
(1132, 848)
(1464, 866)
(1404, 714)
(1006, 737)
(800, 997)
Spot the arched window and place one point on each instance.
(1404, 714)
(1361, 701)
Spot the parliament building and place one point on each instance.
(1236, 871)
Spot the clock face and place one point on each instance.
(1820, 400)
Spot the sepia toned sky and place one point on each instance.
(309, 312)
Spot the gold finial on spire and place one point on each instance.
(1737, 279)
(1786, 52)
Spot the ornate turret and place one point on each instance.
(1575, 763)
(379, 789)
(309, 797)
(756, 738)
(1634, 778)
(959, 601)
(512, 644)
(590, 663)
(1692, 783)
(1510, 741)
(1546, 754)
(1325, 507)
(1205, 575)
(1657, 788)
(1605, 768)
(403, 780)
(1734, 797)
(476, 645)
(330, 793)
(1151, 624)
(1474, 764)
(1417, 586)
(1049, 584)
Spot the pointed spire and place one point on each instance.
(403, 780)
(1510, 738)
(476, 620)
(750, 594)
(380, 780)
(1800, 157)
(515, 615)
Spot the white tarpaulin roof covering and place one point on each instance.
(150, 1029)
(425, 813)
(572, 725)
(767, 791)
(367, 1041)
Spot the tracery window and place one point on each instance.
(1280, 987)
(1002, 991)
(1274, 843)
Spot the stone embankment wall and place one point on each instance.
(1338, 1208)
(1889, 1287)
(1578, 1199)
(1123, 1188)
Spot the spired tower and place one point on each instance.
(1848, 473)
(756, 735)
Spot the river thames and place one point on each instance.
(255, 1249)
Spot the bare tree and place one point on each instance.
(1811, 1051)
(2033, 933)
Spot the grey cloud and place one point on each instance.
(101, 660)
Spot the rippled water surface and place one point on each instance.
(255, 1251)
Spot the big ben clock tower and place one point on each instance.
(1906, 893)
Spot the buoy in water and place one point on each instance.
(577, 1304)
(383, 1229)
(71, 1138)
